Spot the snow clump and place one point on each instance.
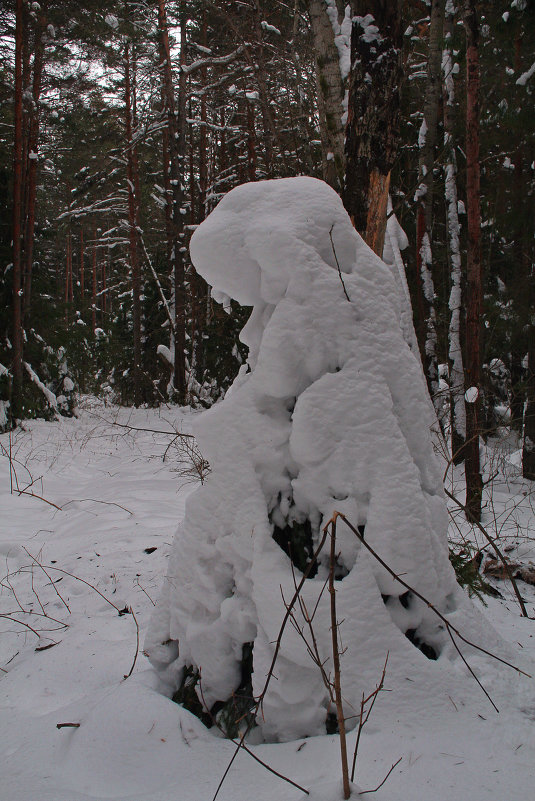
(330, 413)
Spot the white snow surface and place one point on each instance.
(331, 413)
(119, 498)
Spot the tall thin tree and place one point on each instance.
(474, 481)
(17, 339)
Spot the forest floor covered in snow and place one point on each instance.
(88, 510)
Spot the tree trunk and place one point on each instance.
(132, 232)
(94, 281)
(33, 141)
(176, 129)
(17, 339)
(474, 482)
(457, 408)
(528, 445)
(424, 193)
(372, 134)
(82, 271)
(330, 95)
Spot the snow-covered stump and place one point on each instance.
(331, 413)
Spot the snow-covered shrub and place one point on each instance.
(330, 413)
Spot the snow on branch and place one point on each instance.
(212, 62)
(524, 78)
(50, 397)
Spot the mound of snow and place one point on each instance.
(330, 413)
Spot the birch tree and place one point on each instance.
(329, 46)
(457, 406)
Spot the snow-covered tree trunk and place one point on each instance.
(330, 81)
(424, 193)
(457, 406)
(372, 134)
(474, 481)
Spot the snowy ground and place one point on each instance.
(119, 503)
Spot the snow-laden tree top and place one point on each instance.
(331, 413)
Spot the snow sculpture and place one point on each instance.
(331, 413)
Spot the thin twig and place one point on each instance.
(95, 500)
(152, 430)
(87, 583)
(40, 498)
(21, 623)
(137, 644)
(145, 591)
(363, 792)
(364, 719)
(337, 263)
(49, 577)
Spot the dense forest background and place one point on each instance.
(122, 124)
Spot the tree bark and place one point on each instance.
(33, 141)
(132, 233)
(82, 271)
(528, 445)
(474, 482)
(457, 407)
(424, 193)
(94, 281)
(372, 134)
(17, 339)
(176, 139)
(330, 92)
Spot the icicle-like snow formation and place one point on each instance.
(331, 413)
